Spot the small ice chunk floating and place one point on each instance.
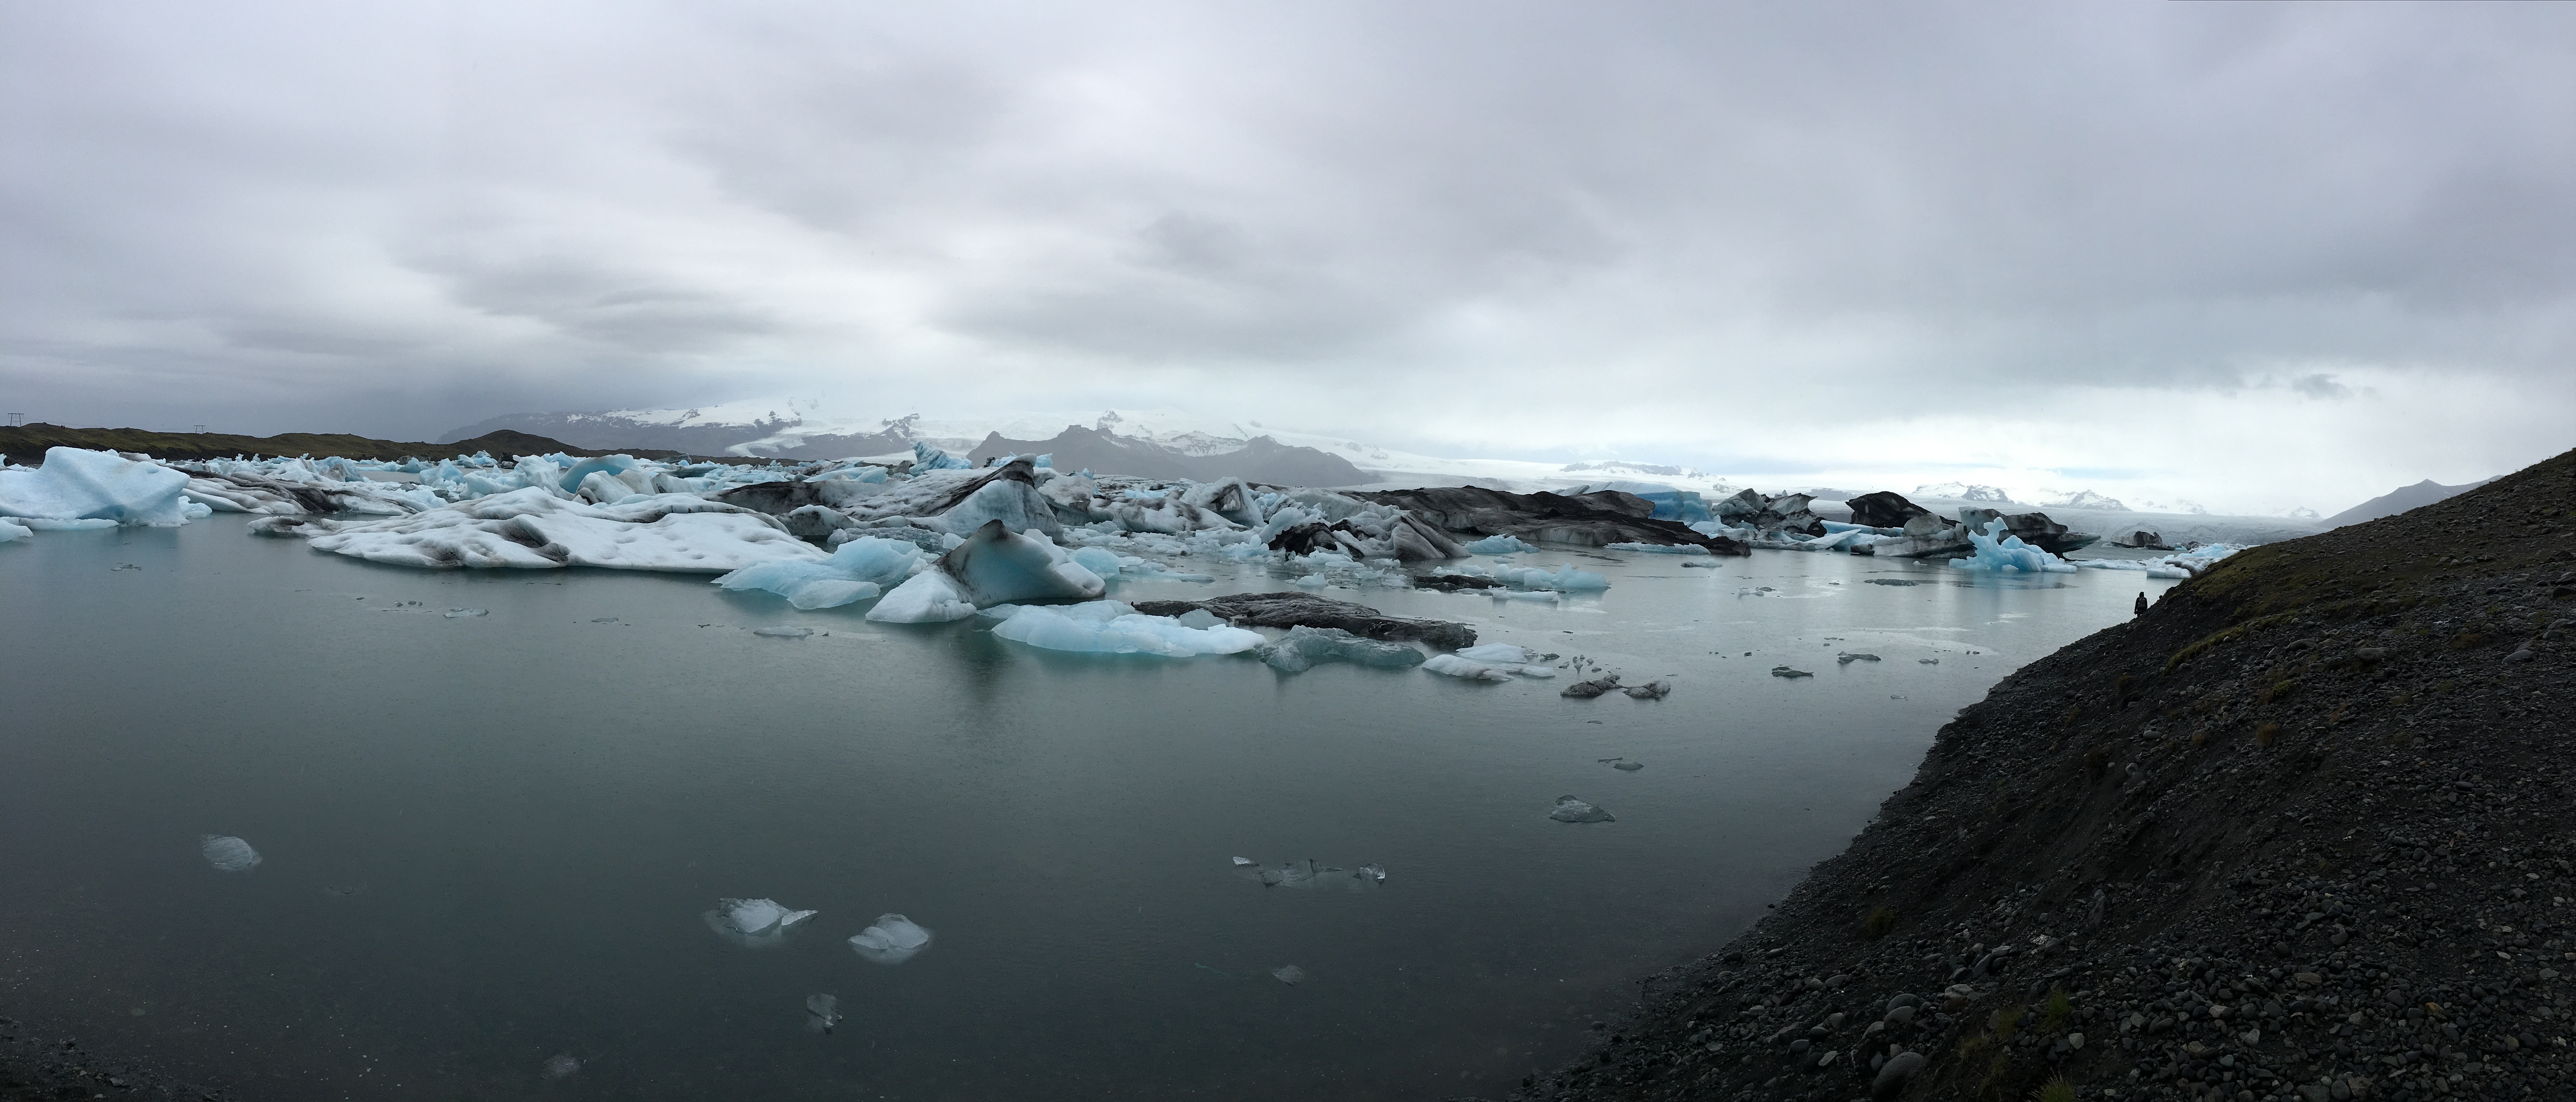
(893, 939)
(1572, 810)
(822, 1012)
(1309, 873)
(754, 923)
(227, 853)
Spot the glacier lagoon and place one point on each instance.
(486, 842)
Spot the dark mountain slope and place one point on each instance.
(1261, 459)
(2398, 501)
(2302, 830)
(27, 443)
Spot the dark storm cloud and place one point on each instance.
(288, 211)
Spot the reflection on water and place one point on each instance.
(486, 843)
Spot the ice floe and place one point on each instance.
(753, 923)
(1490, 662)
(227, 853)
(2181, 564)
(1303, 647)
(1498, 545)
(1289, 974)
(1115, 627)
(893, 939)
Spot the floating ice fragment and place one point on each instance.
(1310, 873)
(753, 923)
(1625, 766)
(10, 530)
(1497, 545)
(531, 528)
(1656, 689)
(1303, 647)
(465, 613)
(1586, 690)
(1784, 671)
(1450, 665)
(1997, 552)
(775, 632)
(1239, 862)
(1889, 581)
(1928, 661)
(1661, 548)
(561, 1065)
(1848, 657)
(893, 940)
(1572, 810)
(603, 619)
(1289, 974)
(1098, 560)
(227, 853)
(822, 1012)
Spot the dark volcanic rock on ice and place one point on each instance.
(1884, 509)
(1592, 520)
(1283, 610)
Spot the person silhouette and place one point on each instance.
(2142, 603)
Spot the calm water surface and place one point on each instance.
(488, 841)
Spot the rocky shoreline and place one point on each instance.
(2301, 831)
(51, 1069)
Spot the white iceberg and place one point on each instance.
(2177, 566)
(894, 939)
(1489, 662)
(753, 923)
(929, 597)
(10, 531)
(855, 571)
(78, 484)
(227, 853)
(1661, 548)
(531, 528)
(1115, 627)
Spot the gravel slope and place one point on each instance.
(2302, 830)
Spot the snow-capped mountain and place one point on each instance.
(2177, 505)
(1961, 491)
(2082, 499)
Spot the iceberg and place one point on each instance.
(10, 531)
(753, 923)
(531, 528)
(1505, 545)
(894, 939)
(1114, 627)
(855, 571)
(78, 484)
(929, 597)
(1997, 552)
(1303, 647)
(227, 853)
(1660, 548)
(1564, 579)
(1656, 689)
(995, 566)
(1289, 974)
(1099, 560)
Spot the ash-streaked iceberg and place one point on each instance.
(532, 528)
(1997, 552)
(995, 566)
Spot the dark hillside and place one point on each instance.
(27, 443)
(2302, 830)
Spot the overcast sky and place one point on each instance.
(2266, 255)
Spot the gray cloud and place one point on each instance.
(1445, 225)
